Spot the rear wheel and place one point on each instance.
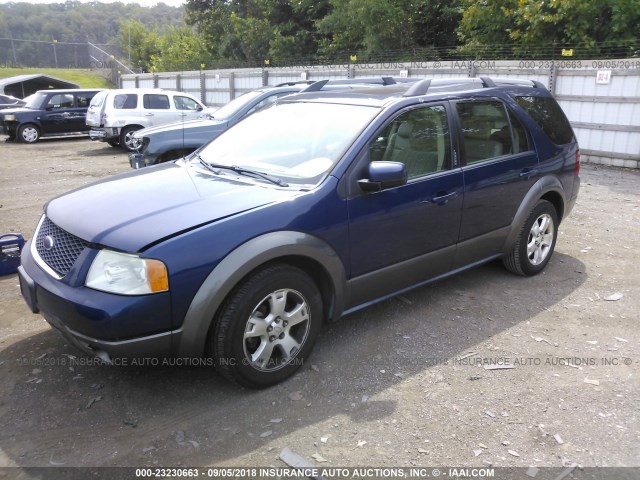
(127, 141)
(267, 327)
(536, 241)
(28, 133)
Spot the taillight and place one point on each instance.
(577, 172)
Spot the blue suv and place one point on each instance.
(320, 205)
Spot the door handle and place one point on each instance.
(148, 114)
(528, 173)
(443, 198)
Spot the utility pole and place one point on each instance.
(13, 49)
(55, 54)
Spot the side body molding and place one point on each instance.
(538, 190)
(190, 340)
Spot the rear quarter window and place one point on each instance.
(546, 112)
(125, 101)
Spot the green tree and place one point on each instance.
(376, 25)
(252, 30)
(530, 26)
(178, 49)
(140, 43)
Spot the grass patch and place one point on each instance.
(84, 78)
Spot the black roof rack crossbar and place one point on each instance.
(317, 86)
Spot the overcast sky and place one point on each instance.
(144, 3)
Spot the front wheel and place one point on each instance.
(267, 327)
(28, 134)
(536, 241)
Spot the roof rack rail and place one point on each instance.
(317, 86)
(422, 87)
(291, 84)
(517, 81)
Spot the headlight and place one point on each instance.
(9, 118)
(127, 274)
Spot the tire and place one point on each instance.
(126, 138)
(115, 142)
(28, 133)
(536, 241)
(267, 327)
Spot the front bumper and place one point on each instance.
(9, 128)
(138, 160)
(100, 324)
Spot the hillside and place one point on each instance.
(84, 78)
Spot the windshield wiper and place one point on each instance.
(216, 167)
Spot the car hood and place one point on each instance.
(206, 124)
(5, 111)
(133, 210)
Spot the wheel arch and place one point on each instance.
(556, 199)
(306, 252)
(547, 188)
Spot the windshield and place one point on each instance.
(230, 109)
(298, 142)
(35, 100)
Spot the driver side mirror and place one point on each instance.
(383, 175)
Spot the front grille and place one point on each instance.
(57, 247)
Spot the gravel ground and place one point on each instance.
(402, 383)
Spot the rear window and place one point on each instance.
(83, 99)
(98, 99)
(547, 113)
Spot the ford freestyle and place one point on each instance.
(313, 208)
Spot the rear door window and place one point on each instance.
(153, 101)
(490, 130)
(84, 99)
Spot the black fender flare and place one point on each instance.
(538, 190)
(190, 340)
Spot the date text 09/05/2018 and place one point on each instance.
(314, 472)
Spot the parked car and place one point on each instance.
(321, 205)
(49, 113)
(7, 101)
(115, 115)
(174, 140)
